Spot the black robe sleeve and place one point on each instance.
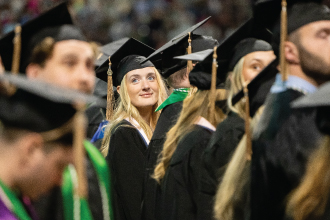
(126, 158)
(180, 196)
(280, 153)
(95, 116)
(215, 158)
(151, 193)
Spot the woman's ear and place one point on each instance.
(118, 89)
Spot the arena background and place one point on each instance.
(152, 21)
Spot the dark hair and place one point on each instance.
(174, 79)
(11, 134)
(42, 51)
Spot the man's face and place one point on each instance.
(71, 65)
(314, 50)
(45, 170)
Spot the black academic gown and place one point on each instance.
(179, 188)
(126, 158)
(95, 116)
(283, 142)
(167, 119)
(215, 158)
(50, 206)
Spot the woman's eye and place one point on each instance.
(256, 67)
(151, 78)
(134, 80)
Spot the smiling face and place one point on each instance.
(142, 87)
(255, 62)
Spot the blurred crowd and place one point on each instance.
(152, 21)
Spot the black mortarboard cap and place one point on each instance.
(201, 74)
(201, 77)
(196, 56)
(109, 49)
(128, 57)
(182, 37)
(299, 13)
(57, 16)
(244, 40)
(168, 65)
(267, 12)
(39, 106)
(246, 30)
(177, 46)
(246, 46)
(259, 87)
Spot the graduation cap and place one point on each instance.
(267, 12)
(52, 111)
(16, 47)
(244, 40)
(203, 79)
(127, 58)
(185, 42)
(108, 49)
(287, 16)
(201, 75)
(320, 100)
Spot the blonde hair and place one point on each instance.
(125, 109)
(235, 82)
(310, 198)
(232, 191)
(193, 106)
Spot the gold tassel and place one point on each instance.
(109, 94)
(189, 51)
(284, 30)
(10, 89)
(80, 123)
(17, 50)
(213, 87)
(247, 123)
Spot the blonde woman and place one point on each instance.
(233, 194)
(249, 58)
(179, 163)
(127, 136)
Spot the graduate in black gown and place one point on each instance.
(245, 59)
(179, 166)
(176, 73)
(232, 199)
(97, 116)
(128, 134)
(38, 123)
(56, 51)
(310, 200)
(285, 137)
